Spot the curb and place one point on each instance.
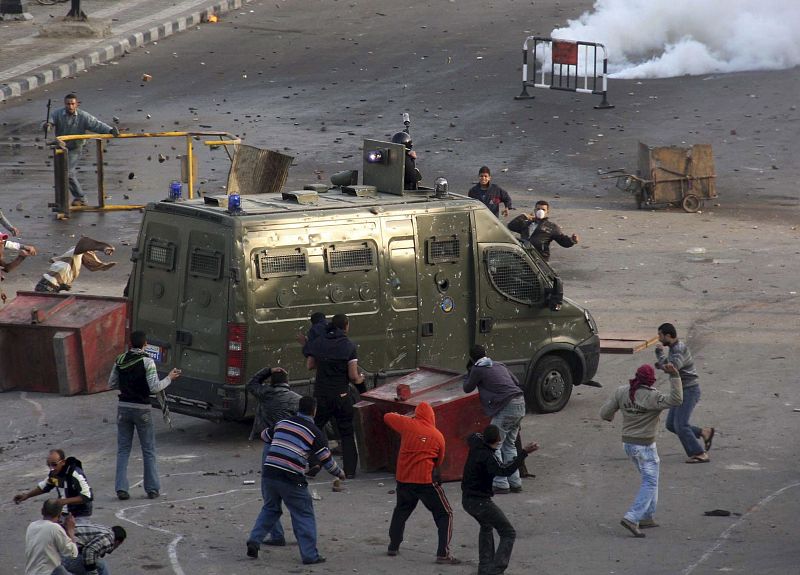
(115, 49)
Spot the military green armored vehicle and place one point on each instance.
(422, 275)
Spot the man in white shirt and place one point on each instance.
(47, 542)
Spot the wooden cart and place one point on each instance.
(671, 176)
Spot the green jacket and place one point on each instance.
(640, 417)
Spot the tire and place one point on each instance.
(550, 385)
(690, 203)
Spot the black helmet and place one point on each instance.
(402, 138)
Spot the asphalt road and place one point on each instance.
(312, 79)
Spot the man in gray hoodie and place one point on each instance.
(70, 121)
(502, 400)
(641, 405)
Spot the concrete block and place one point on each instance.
(89, 28)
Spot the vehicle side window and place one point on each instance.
(512, 275)
(443, 250)
(160, 254)
(350, 257)
(274, 263)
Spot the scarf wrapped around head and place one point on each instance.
(645, 376)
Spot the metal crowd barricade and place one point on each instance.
(62, 206)
(572, 67)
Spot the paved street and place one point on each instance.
(312, 79)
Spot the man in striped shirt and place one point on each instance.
(94, 541)
(292, 442)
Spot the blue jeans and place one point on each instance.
(508, 420)
(645, 457)
(277, 531)
(678, 422)
(73, 158)
(75, 566)
(128, 419)
(295, 495)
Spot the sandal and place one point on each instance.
(702, 458)
(709, 439)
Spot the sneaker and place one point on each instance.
(252, 550)
(123, 495)
(78, 202)
(392, 552)
(449, 560)
(274, 542)
(319, 559)
(516, 489)
(647, 523)
(632, 527)
(501, 490)
(153, 494)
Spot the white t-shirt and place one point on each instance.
(46, 543)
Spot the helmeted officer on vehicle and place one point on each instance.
(411, 174)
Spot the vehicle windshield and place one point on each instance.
(538, 261)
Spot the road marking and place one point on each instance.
(727, 533)
(37, 407)
(172, 547)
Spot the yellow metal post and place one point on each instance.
(190, 165)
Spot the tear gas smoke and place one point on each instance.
(666, 38)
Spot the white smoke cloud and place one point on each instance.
(666, 38)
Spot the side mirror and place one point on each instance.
(555, 295)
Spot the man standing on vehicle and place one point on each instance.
(678, 417)
(276, 401)
(540, 231)
(641, 405)
(335, 358)
(421, 453)
(47, 541)
(291, 443)
(490, 194)
(503, 401)
(135, 374)
(65, 473)
(69, 121)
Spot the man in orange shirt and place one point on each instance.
(421, 452)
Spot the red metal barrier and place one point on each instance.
(457, 416)
(60, 343)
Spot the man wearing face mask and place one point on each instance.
(540, 231)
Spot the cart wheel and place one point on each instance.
(691, 203)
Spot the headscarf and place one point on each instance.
(645, 376)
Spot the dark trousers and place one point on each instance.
(434, 499)
(489, 516)
(340, 409)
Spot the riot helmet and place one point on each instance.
(402, 138)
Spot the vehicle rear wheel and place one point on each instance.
(550, 386)
(691, 203)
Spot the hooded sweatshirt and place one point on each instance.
(421, 444)
(482, 466)
(496, 385)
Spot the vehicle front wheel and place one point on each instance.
(550, 385)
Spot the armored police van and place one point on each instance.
(223, 290)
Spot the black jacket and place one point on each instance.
(275, 401)
(332, 352)
(545, 232)
(482, 467)
(492, 196)
(73, 481)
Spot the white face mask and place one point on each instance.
(540, 214)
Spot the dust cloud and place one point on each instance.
(667, 38)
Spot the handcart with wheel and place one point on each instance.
(670, 176)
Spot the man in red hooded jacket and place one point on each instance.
(421, 451)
